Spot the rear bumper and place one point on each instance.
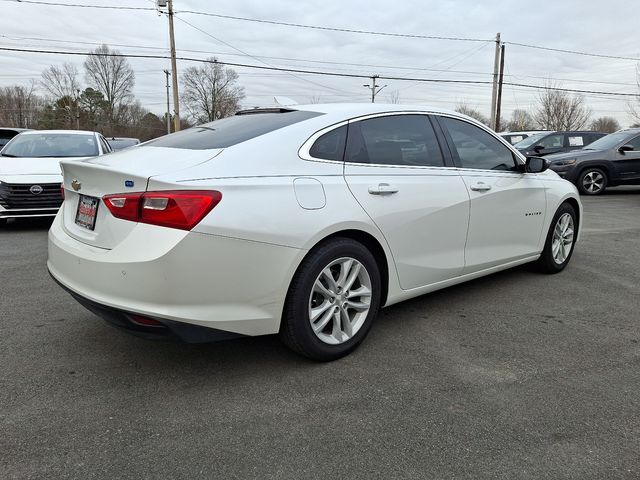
(167, 328)
(221, 283)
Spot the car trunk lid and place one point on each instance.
(86, 182)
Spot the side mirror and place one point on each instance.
(536, 165)
(626, 148)
(538, 148)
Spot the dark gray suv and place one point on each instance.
(613, 160)
(547, 143)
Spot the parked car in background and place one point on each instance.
(613, 160)
(7, 134)
(515, 137)
(542, 144)
(302, 221)
(120, 143)
(30, 175)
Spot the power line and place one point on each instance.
(333, 29)
(332, 74)
(255, 58)
(327, 62)
(80, 5)
(573, 52)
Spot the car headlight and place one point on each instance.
(564, 163)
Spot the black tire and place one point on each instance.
(585, 175)
(296, 331)
(546, 263)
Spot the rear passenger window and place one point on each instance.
(476, 148)
(330, 146)
(552, 141)
(394, 140)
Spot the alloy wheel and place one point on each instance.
(340, 300)
(593, 182)
(562, 241)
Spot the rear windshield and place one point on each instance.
(611, 140)
(51, 145)
(231, 130)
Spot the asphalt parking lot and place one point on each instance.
(518, 375)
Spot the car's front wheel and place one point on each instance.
(592, 181)
(332, 301)
(560, 241)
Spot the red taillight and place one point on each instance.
(125, 206)
(182, 209)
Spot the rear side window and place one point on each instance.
(394, 140)
(231, 130)
(330, 146)
(476, 148)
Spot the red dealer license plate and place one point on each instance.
(86, 214)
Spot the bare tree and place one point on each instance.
(20, 106)
(61, 81)
(112, 76)
(471, 112)
(559, 110)
(211, 91)
(394, 97)
(605, 124)
(521, 120)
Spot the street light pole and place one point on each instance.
(174, 69)
(374, 87)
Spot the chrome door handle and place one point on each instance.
(480, 187)
(382, 189)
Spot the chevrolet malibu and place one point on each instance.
(302, 221)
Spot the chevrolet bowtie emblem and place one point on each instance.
(75, 184)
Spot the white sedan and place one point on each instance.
(30, 174)
(302, 221)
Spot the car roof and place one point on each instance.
(357, 109)
(15, 129)
(121, 138)
(69, 132)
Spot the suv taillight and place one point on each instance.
(182, 209)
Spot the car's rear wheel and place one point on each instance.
(560, 241)
(592, 181)
(332, 301)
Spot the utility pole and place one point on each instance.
(499, 96)
(374, 87)
(167, 73)
(494, 91)
(174, 69)
(77, 109)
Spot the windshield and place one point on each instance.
(527, 142)
(611, 140)
(51, 145)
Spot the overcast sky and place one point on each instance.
(609, 28)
